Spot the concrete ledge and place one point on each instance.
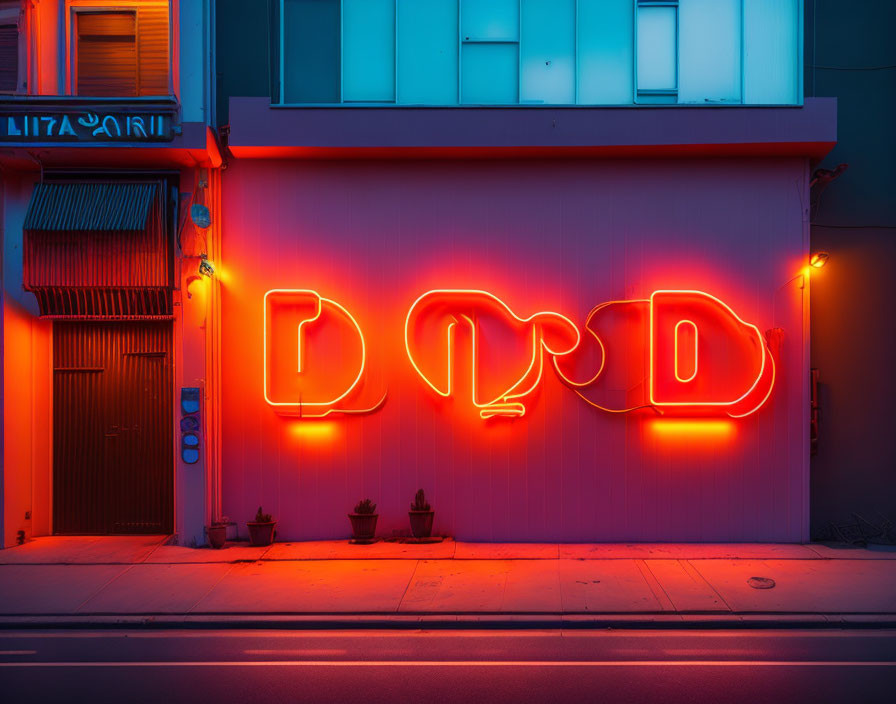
(123, 550)
(456, 621)
(258, 130)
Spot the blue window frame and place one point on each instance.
(540, 52)
(656, 51)
(310, 60)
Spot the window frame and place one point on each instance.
(69, 49)
(282, 61)
(15, 15)
(648, 97)
(653, 96)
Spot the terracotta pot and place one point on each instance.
(261, 534)
(363, 525)
(217, 536)
(421, 523)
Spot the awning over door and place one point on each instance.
(99, 250)
(90, 206)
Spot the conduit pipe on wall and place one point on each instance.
(213, 354)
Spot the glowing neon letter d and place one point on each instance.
(702, 355)
(314, 355)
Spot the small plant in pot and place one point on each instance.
(217, 534)
(261, 530)
(421, 515)
(363, 520)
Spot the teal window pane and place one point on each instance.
(771, 52)
(490, 20)
(427, 52)
(657, 50)
(709, 53)
(490, 74)
(606, 48)
(311, 51)
(548, 46)
(368, 50)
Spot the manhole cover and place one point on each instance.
(761, 582)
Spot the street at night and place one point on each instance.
(451, 666)
(424, 351)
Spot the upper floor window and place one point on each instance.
(12, 51)
(121, 51)
(540, 52)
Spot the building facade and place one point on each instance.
(106, 142)
(854, 219)
(546, 260)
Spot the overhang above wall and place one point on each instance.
(259, 130)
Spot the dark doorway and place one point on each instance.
(112, 436)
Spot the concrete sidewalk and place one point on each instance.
(113, 580)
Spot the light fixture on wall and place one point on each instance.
(206, 267)
(825, 176)
(819, 259)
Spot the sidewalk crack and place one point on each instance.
(659, 592)
(155, 547)
(407, 587)
(105, 584)
(692, 570)
(210, 589)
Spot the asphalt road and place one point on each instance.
(365, 666)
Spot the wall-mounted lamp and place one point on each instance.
(206, 267)
(819, 259)
(825, 176)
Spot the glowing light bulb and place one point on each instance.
(819, 259)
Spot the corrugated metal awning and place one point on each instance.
(99, 250)
(94, 206)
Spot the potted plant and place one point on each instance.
(217, 534)
(363, 520)
(261, 530)
(421, 516)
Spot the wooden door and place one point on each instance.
(112, 435)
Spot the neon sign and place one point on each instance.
(701, 357)
(303, 334)
(686, 352)
(430, 332)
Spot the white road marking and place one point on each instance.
(468, 663)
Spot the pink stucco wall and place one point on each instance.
(554, 235)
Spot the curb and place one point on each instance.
(753, 621)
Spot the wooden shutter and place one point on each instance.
(107, 53)
(152, 50)
(9, 57)
(123, 53)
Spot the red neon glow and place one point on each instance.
(682, 358)
(698, 355)
(685, 430)
(497, 389)
(618, 361)
(314, 355)
(737, 371)
(701, 356)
